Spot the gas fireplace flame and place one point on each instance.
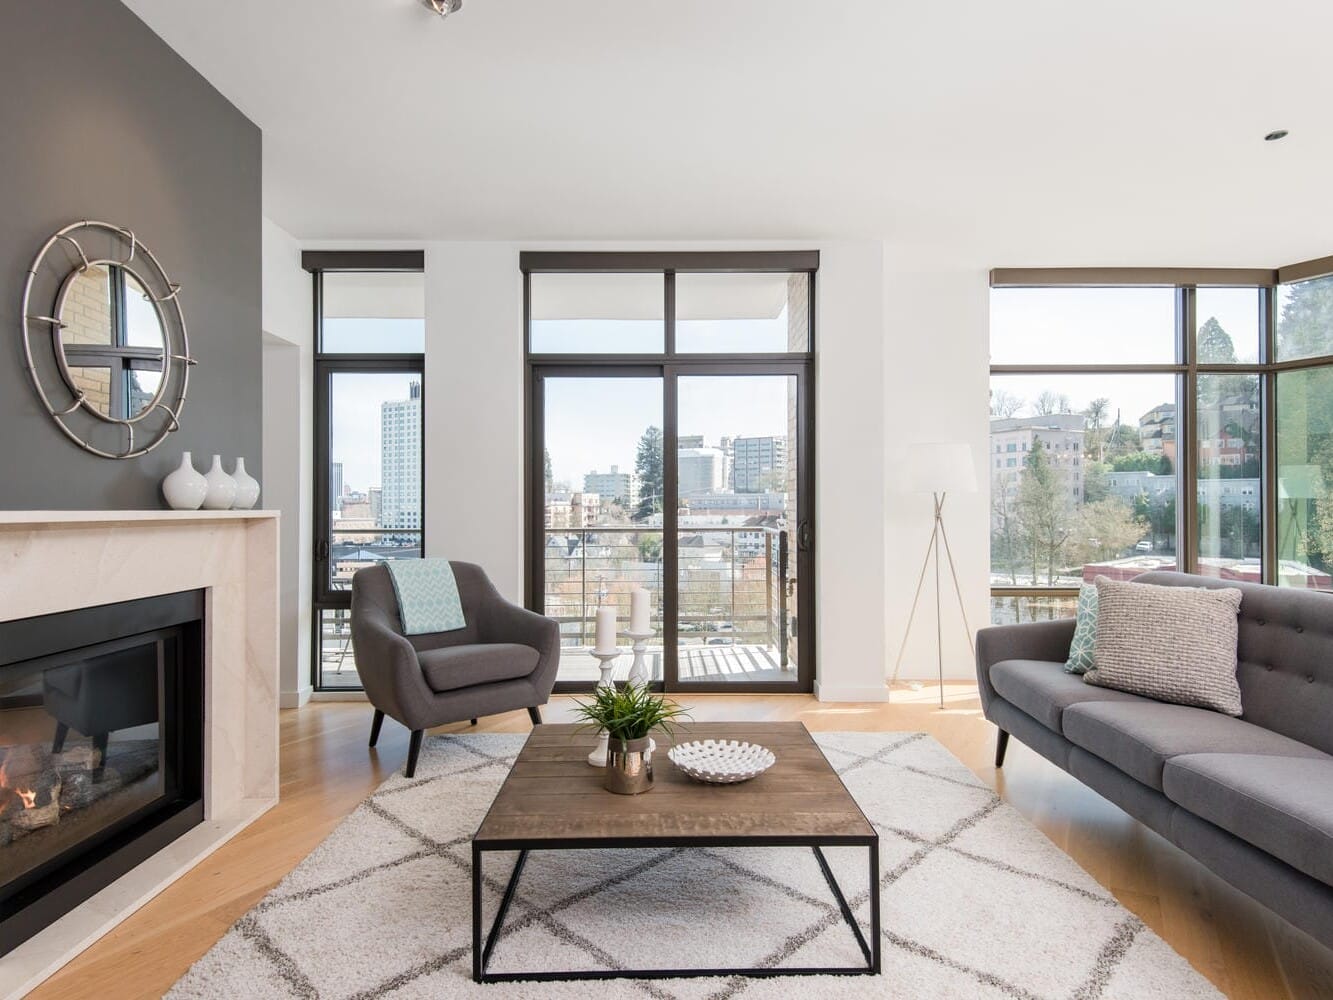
(28, 797)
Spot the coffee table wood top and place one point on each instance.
(553, 797)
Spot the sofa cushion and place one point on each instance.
(1175, 644)
(1140, 738)
(1044, 690)
(452, 667)
(1281, 805)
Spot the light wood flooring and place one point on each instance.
(326, 770)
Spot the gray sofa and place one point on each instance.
(1251, 798)
(504, 659)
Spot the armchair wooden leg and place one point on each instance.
(535, 714)
(1001, 745)
(375, 724)
(58, 744)
(413, 752)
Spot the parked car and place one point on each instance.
(719, 640)
(1144, 546)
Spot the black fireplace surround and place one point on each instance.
(101, 749)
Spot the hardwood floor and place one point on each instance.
(327, 769)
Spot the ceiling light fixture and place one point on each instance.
(1273, 136)
(443, 7)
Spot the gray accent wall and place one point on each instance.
(100, 119)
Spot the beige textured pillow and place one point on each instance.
(1175, 644)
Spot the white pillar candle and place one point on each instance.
(606, 629)
(639, 612)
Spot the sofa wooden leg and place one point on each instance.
(375, 724)
(474, 722)
(1001, 745)
(58, 744)
(413, 752)
(535, 714)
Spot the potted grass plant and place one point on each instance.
(629, 714)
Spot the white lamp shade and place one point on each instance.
(938, 467)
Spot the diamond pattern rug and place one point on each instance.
(975, 902)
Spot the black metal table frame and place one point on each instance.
(481, 952)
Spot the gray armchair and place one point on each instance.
(505, 658)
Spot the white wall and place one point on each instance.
(901, 356)
(936, 388)
(286, 478)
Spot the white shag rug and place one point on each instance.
(976, 902)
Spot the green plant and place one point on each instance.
(628, 713)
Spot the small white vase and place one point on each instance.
(221, 487)
(184, 488)
(247, 487)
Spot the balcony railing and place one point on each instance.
(733, 583)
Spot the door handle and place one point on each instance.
(322, 550)
(804, 536)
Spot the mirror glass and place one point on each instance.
(113, 341)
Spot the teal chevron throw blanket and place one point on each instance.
(427, 592)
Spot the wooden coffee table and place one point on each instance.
(552, 800)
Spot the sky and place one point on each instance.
(594, 423)
(1084, 326)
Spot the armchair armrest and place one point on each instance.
(506, 622)
(1027, 641)
(387, 664)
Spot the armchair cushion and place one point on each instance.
(452, 667)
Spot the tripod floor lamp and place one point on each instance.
(937, 469)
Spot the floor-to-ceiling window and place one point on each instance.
(369, 363)
(670, 440)
(1156, 420)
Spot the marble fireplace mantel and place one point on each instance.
(61, 560)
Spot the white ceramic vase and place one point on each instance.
(184, 488)
(221, 487)
(247, 487)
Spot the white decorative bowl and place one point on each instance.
(721, 762)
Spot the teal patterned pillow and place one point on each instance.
(1085, 631)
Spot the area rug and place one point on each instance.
(975, 902)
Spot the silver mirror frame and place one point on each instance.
(176, 358)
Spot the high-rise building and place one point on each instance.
(400, 461)
(758, 464)
(1013, 439)
(376, 496)
(621, 487)
(702, 470)
(336, 483)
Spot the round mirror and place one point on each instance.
(112, 340)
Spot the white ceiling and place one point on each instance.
(1013, 132)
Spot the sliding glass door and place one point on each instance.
(671, 424)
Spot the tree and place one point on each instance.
(1095, 484)
(1050, 403)
(546, 465)
(1004, 403)
(650, 548)
(1106, 529)
(1044, 512)
(1095, 416)
(648, 467)
(1142, 461)
(1215, 346)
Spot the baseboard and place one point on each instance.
(338, 696)
(295, 699)
(830, 692)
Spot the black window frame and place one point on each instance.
(324, 597)
(1186, 371)
(669, 364)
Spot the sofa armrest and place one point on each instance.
(1029, 641)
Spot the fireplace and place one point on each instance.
(101, 749)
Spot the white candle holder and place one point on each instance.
(639, 674)
(598, 757)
